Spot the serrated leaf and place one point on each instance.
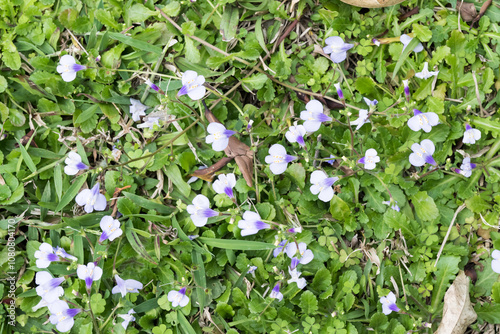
(425, 207)
(308, 303)
(192, 53)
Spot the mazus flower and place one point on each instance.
(337, 49)
(297, 229)
(406, 90)
(91, 199)
(152, 85)
(322, 185)
(375, 41)
(251, 223)
(192, 85)
(313, 116)
(275, 293)
(110, 228)
(48, 287)
(219, 136)
(150, 122)
(68, 67)
(389, 304)
(405, 39)
(277, 251)
(471, 135)
(42, 303)
(339, 91)
(466, 167)
(295, 277)
(225, 184)
(127, 318)
(137, 109)
(200, 210)
(423, 121)
(178, 298)
(62, 316)
(362, 119)
(295, 134)
(495, 263)
(45, 255)
(370, 103)
(422, 153)
(370, 159)
(89, 273)
(332, 159)
(74, 164)
(278, 159)
(426, 74)
(126, 286)
(306, 255)
(59, 251)
(392, 204)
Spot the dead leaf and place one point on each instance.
(458, 312)
(237, 150)
(468, 11)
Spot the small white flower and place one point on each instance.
(251, 224)
(295, 134)
(200, 210)
(137, 109)
(62, 316)
(110, 228)
(278, 159)
(127, 318)
(150, 122)
(48, 287)
(89, 273)
(422, 153)
(322, 185)
(495, 263)
(425, 74)
(225, 184)
(126, 286)
(192, 85)
(219, 136)
(405, 39)
(301, 282)
(68, 67)
(92, 199)
(313, 116)
(275, 293)
(306, 255)
(337, 49)
(471, 135)
(45, 255)
(178, 298)
(466, 167)
(370, 159)
(389, 304)
(74, 164)
(362, 119)
(423, 121)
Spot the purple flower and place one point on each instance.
(362, 119)
(251, 270)
(301, 282)
(59, 251)
(331, 161)
(313, 116)
(225, 184)
(200, 210)
(92, 199)
(137, 109)
(393, 205)
(471, 135)
(278, 159)
(422, 153)
(405, 39)
(466, 167)
(406, 90)
(339, 91)
(371, 104)
(62, 316)
(277, 251)
(294, 263)
(495, 263)
(376, 41)
(322, 185)
(125, 286)
(337, 49)
(192, 85)
(48, 287)
(68, 67)
(152, 85)
(219, 136)
(74, 164)
(89, 273)
(45, 255)
(251, 223)
(110, 228)
(193, 236)
(127, 318)
(370, 159)
(306, 255)
(424, 121)
(275, 293)
(295, 134)
(297, 229)
(178, 298)
(249, 126)
(389, 304)
(425, 74)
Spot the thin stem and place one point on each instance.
(92, 315)
(109, 317)
(226, 99)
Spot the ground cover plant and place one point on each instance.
(249, 167)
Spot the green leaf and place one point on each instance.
(447, 269)
(236, 244)
(98, 303)
(135, 43)
(229, 23)
(322, 280)
(489, 313)
(256, 81)
(136, 243)
(140, 13)
(425, 207)
(148, 204)
(200, 278)
(185, 325)
(406, 52)
(174, 174)
(298, 174)
(68, 17)
(477, 204)
(70, 194)
(192, 53)
(339, 209)
(423, 33)
(3, 84)
(308, 303)
(26, 157)
(172, 9)
(105, 18)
